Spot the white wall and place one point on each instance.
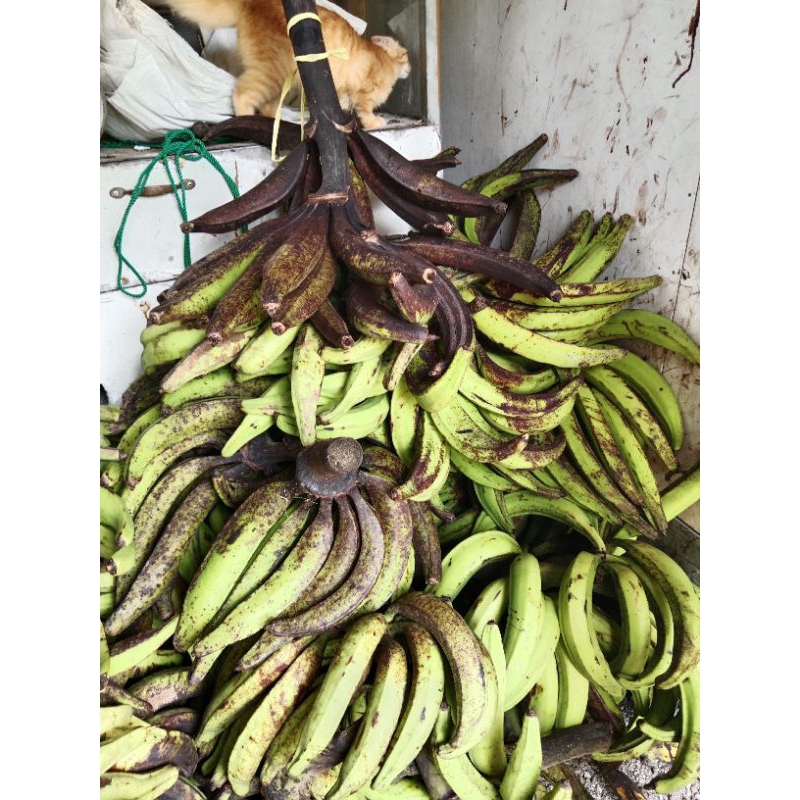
(597, 78)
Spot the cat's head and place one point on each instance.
(397, 53)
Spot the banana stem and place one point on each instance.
(569, 743)
(329, 468)
(329, 121)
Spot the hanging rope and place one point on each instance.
(339, 52)
(181, 144)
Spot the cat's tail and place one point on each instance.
(211, 13)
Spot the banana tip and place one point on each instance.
(187, 227)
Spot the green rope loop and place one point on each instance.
(177, 144)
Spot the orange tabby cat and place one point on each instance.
(363, 81)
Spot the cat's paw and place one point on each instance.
(372, 122)
(246, 102)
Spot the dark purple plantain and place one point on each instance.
(251, 128)
(331, 326)
(444, 160)
(240, 307)
(361, 201)
(426, 543)
(303, 302)
(423, 219)
(478, 258)
(371, 258)
(258, 201)
(487, 227)
(419, 186)
(412, 303)
(294, 260)
(369, 316)
(455, 321)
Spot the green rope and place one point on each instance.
(177, 144)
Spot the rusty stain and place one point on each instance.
(641, 198)
(575, 82)
(503, 117)
(694, 24)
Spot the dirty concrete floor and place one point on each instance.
(639, 771)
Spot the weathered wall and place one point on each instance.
(600, 79)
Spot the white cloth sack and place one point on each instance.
(154, 82)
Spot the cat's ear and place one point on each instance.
(386, 42)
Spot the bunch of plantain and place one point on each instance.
(375, 516)
(533, 386)
(571, 631)
(147, 758)
(322, 265)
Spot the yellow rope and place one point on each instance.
(299, 18)
(338, 52)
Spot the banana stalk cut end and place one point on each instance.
(329, 468)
